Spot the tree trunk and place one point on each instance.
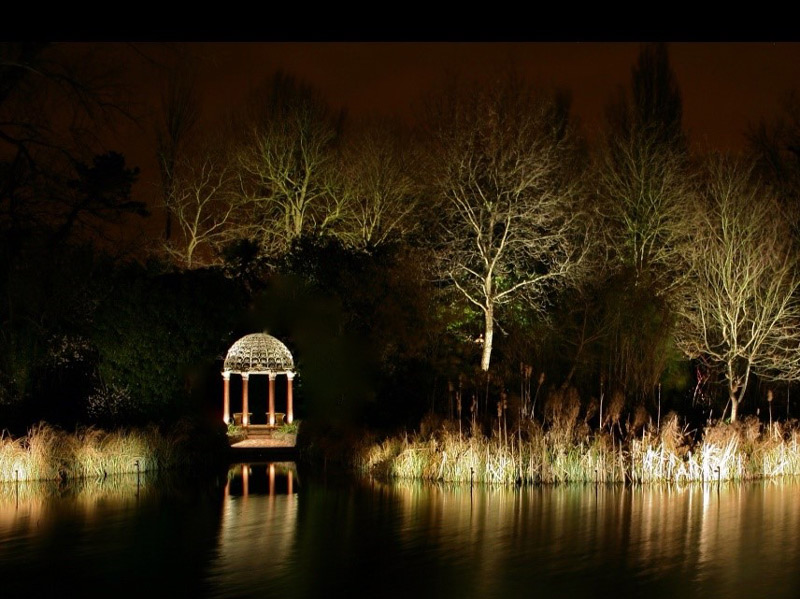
(487, 339)
(734, 394)
(736, 389)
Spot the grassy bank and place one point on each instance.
(534, 453)
(47, 452)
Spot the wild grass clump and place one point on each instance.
(47, 452)
(528, 455)
(564, 449)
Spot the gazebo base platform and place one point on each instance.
(263, 435)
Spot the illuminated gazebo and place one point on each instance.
(258, 353)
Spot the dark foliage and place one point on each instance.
(159, 335)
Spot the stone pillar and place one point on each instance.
(289, 482)
(271, 419)
(289, 397)
(245, 403)
(226, 396)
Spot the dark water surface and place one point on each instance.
(263, 530)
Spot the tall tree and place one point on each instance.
(376, 180)
(58, 184)
(743, 310)
(55, 102)
(179, 116)
(645, 192)
(207, 205)
(499, 159)
(287, 161)
(776, 149)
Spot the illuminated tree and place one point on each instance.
(644, 185)
(287, 160)
(499, 160)
(208, 207)
(380, 195)
(743, 309)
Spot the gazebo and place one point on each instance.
(258, 353)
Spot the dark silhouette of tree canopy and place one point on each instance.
(53, 175)
(179, 117)
(646, 193)
(776, 150)
(657, 107)
(102, 192)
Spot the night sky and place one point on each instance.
(726, 86)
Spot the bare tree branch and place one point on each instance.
(743, 310)
(286, 162)
(380, 193)
(498, 162)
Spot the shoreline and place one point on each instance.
(48, 452)
(724, 452)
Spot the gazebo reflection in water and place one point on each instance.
(263, 478)
(258, 528)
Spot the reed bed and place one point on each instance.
(48, 453)
(567, 451)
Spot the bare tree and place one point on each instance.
(743, 310)
(645, 189)
(206, 203)
(287, 160)
(499, 156)
(380, 194)
(180, 113)
(644, 177)
(644, 183)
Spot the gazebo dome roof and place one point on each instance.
(258, 353)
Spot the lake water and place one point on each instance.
(265, 530)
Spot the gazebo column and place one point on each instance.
(245, 403)
(226, 396)
(271, 399)
(289, 397)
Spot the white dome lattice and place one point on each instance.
(258, 353)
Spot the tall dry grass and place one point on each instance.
(564, 449)
(47, 452)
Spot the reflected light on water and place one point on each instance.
(258, 526)
(693, 541)
(262, 530)
(26, 504)
(720, 541)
